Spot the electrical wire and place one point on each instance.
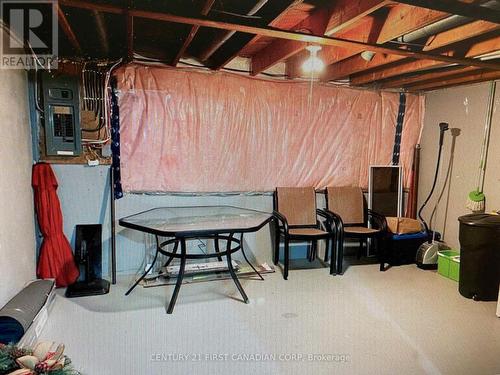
(104, 111)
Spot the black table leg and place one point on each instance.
(245, 256)
(217, 248)
(180, 276)
(147, 271)
(174, 251)
(231, 269)
(277, 237)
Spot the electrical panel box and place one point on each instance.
(62, 115)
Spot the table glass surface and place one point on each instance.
(176, 220)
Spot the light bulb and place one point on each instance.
(313, 63)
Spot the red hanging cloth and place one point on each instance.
(56, 258)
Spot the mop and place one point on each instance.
(476, 199)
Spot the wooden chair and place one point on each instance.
(296, 216)
(346, 206)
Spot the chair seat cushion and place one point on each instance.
(307, 232)
(360, 230)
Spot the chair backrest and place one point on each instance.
(348, 202)
(297, 204)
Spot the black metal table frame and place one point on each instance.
(184, 255)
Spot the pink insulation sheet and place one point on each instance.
(192, 131)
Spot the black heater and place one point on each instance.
(88, 252)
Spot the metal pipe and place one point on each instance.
(434, 28)
(442, 25)
(112, 215)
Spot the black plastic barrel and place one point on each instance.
(479, 256)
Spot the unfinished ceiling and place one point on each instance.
(413, 45)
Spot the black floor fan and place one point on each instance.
(88, 252)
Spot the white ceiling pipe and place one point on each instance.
(442, 25)
(434, 28)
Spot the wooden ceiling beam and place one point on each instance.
(459, 79)
(321, 22)
(347, 13)
(283, 7)
(423, 77)
(400, 19)
(192, 33)
(278, 33)
(368, 31)
(356, 63)
(274, 22)
(472, 11)
(221, 38)
(67, 29)
(478, 49)
(278, 50)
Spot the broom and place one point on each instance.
(476, 199)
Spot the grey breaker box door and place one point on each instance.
(62, 115)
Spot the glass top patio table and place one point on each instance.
(196, 220)
(220, 223)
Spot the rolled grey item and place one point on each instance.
(18, 314)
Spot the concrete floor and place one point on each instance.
(403, 321)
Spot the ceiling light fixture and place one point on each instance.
(313, 63)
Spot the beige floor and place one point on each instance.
(403, 321)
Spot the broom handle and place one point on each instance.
(486, 137)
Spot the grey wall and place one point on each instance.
(463, 108)
(17, 237)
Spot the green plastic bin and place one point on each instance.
(449, 264)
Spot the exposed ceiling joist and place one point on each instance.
(322, 21)
(277, 33)
(68, 31)
(357, 64)
(456, 7)
(278, 50)
(223, 37)
(476, 50)
(190, 36)
(346, 13)
(273, 23)
(426, 77)
(368, 31)
(460, 79)
(399, 20)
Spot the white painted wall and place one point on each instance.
(463, 108)
(17, 235)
